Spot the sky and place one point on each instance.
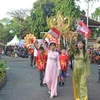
(92, 6)
(8, 5)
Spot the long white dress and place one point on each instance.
(51, 74)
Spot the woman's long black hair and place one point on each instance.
(84, 47)
(52, 43)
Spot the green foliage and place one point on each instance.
(39, 22)
(2, 70)
(47, 8)
(98, 32)
(5, 30)
(99, 42)
(67, 8)
(39, 13)
(21, 27)
(95, 33)
(10, 27)
(96, 14)
(2, 66)
(21, 23)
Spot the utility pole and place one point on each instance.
(88, 3)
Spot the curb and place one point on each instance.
(3, 82)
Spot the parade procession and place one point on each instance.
(53, 53)
(53, 58)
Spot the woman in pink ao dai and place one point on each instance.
(51, 73)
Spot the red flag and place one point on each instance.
(49, 40)
(55, 33)
(84, 30)
(55, 41)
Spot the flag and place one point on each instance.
(50, 39)
(55, 33)
(84, 30)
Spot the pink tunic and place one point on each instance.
(53, 65)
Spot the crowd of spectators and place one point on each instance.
(20, 51)
(94, 55)
(16, 51)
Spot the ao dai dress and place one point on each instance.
(80, 73)
(51, 74)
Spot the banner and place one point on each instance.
(84, 30)
(55, 33)
(49, 38)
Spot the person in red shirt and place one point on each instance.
(31, 52)
(41, 64)
(64, 61)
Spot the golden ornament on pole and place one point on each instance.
(29, 39)
(60, 22)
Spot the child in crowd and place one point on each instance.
(64, 61)
(41, 64)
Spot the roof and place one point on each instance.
(92, 40)
(92, 23)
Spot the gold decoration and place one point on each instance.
(60, 22)
(69, 34)
(29, 39)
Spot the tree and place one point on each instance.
(19, 13)
(11, 27)
(96, 14)
(21, 21)
(39, 15)
(47, 8)
(5, 27)
(97, 32)
(20, 24)
(67, 8)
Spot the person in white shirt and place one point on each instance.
(35, 56)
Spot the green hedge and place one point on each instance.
(2, 70)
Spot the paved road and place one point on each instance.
(23, 83)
